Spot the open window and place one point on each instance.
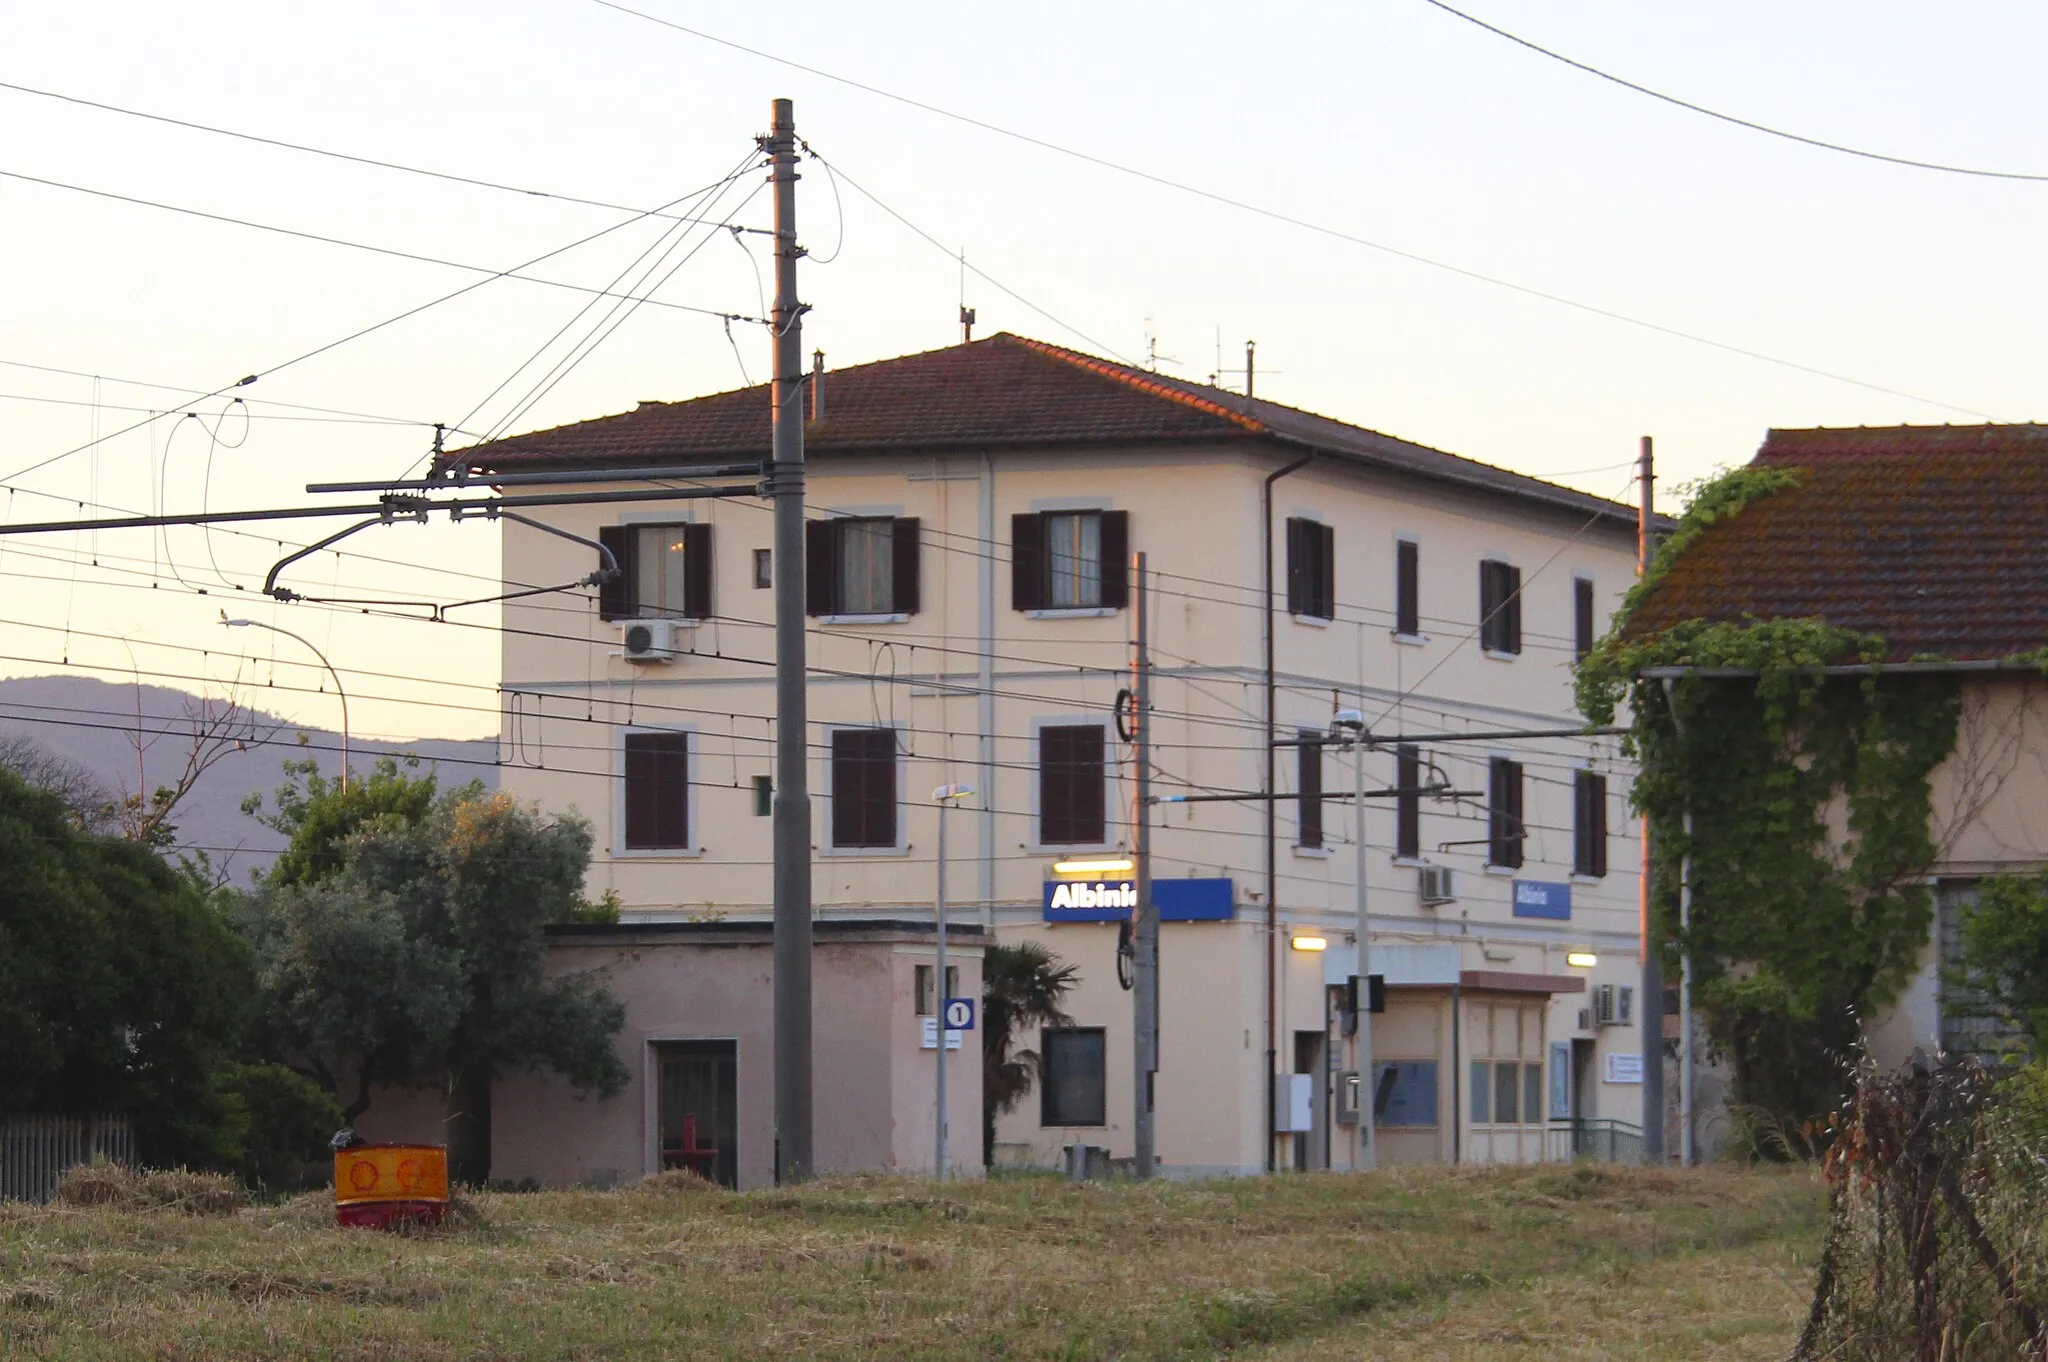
(861, 565)
(664, 572)
(1070, 560)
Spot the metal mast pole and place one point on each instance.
(792, 804)
(939, 988)
(1145, 966)
(1368, 1140)
(1650, 1009)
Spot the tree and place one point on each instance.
(82, 792)
(1022, 986)
(2002, 970)
(122, 986)
(402, 945)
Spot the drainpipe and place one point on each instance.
(1272, 823)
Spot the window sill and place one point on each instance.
(1313, 853)
(1502, 871)
(1412, 862)
(1313, 621)
(1072, 612)
(657, 854)
(893, 618)
(679, 621)
(1497, 655)
(877, 853)
(1580, 877)
(1409, 640)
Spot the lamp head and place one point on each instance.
(945, 793)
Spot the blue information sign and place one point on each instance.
(1542, 898)
(959, 1014)
(1190, 900)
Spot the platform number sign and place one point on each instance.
(959, 1014)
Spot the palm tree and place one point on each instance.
(1022, 987)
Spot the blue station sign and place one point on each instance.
(1197, 900)
(1543, 898)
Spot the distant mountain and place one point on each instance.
(92, 725)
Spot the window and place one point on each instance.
(1404, 1092)
(1589, 823)
(1407, 589)
(927, 1005)
(861, 565)
(1583, 628)
(1504, 830)
(864, 787)
(1070, 560)
(1408, 803)
(1311, 569)
(664, 572)
(1506, 1093)
(764, 796)
(764, 569)
(1309, 763)
(657, 795)
(1074, 1088)
(1071, 804)
(1500, 607)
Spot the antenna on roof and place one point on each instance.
(1153, 358)
(966, 312)
(1250, 370)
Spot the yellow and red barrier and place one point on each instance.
(384, 1185)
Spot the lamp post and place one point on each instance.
(945, 796)
(1349, 728)
(259, 624)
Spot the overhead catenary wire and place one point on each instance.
(1766, 129)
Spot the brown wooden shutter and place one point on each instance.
(903, 569)
(1583, 624)
(1326, 572)
(1116, 559)
(657, 791)
(1407, 588)
(1408, 803)
(1027, 562)
(1590, 823)
(1511, 628)
(1297, 565)
(864, 787)
(615, 595)
(1504, 824)
(1309, 781)
(1071, 797)
(821, 568)
(697, 571)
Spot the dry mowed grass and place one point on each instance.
(1423, 1263)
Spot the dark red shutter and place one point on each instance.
(1511, 629)
(903, 570)
(1027, 562)
(1408, 803)
(1407, 589)
(657, 791)
(697, 571)
(1116, 559)
(821, 576)
(1071, 797)
(1326, 572)
(615, 594)
(1583, 625)
(1297, 566)
(864, 787)
(1309, 780)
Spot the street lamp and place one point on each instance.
(1349, 728)
(259, 624)
(945, 797)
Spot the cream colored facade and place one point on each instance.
(967, 681)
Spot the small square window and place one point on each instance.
(927, 1005)
(1074, 1090)
(764, 568)
(764, 796)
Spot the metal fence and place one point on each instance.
(35, 1150)
(1606, 1141)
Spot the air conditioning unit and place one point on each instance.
(1437, 886)
(1613, 1005)
(649, 641)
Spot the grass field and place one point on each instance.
(1554, 1262)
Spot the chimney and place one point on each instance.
(817, 385)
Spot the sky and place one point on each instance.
(1886, 294)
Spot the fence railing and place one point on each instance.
(1606, 1141)
(35, 1150)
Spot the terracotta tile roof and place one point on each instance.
(1003, 392)
(1935, 537)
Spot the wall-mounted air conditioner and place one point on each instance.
(1613, 1005)
(648, 641)
(1437, 885)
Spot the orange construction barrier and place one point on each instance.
(385, 1185)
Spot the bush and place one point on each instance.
(290, 1120)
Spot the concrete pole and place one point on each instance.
(939, 989)
(792, 804)
(1145, 965)
(1686, 1153)
(1368, 1139)
(1650, 1009)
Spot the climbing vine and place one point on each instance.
(1808, 797)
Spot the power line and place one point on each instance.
(1753, 126)
(1306, 224)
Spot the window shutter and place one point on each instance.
(657, 791)
(1407, 589)
(1326, 572)
(821, 569)
(1027, 562)
(903, 570)
(1511, 589)
(1504, 830)
(697, 571)
(615, 595)
(1582, 616)
(1297, 566)
(1408, 803)
(880, 812)
(1071, 798)
(1590, 824)
(1309, 780)
(1116, 559)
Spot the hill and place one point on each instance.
(122, 738)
